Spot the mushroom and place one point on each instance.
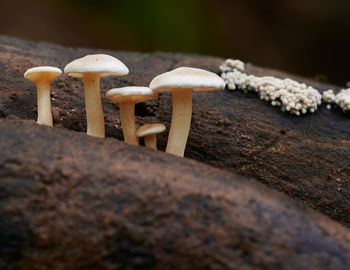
(91, 68)
(42, 77)
(127, 97)
(150, 131)
(182, 82)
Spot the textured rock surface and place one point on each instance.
(306, 157)
(70, 201)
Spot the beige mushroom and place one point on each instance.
(182, 82)
(149, 132)
(91, 68)
(127, 97)
(42, 77)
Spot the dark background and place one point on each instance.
(307, 37)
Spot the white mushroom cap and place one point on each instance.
(187, 78)
(104, 64)
(149, 129)
(37, 73)
(131, 94)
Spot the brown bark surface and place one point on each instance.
(70, 201)
(305, 157)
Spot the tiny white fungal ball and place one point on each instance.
(328, 96)
(329, 106)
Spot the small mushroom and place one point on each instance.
(149, 132)
(182, 82)
(127, 97)
(91, 68)
(42, 77)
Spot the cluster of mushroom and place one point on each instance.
(342, 99)
(294, 97)
(182, 82)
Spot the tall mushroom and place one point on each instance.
(91, 68)
(182, 82)
(149, 132)
(42, 77)
(127, 97)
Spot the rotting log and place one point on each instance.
(307, 157)
(70, 201)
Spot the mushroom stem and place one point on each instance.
(127, 119)
(151, 141)
(180, 122)
(93, 105)
(44, 104)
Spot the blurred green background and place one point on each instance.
(307, 37)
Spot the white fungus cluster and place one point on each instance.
(291, 95)
(328, 96)
(342, 99)
(231, 65)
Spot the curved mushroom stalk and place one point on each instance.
(42, 77)
(180, 122)
(91, 68)
(149, 132)
(151, 141)
(182, 82)
(93, 105)
(127, 119)
(44, 104)
(127, 97)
